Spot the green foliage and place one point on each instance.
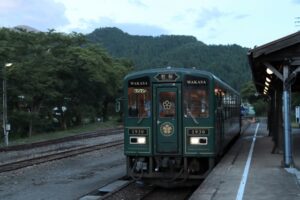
(248, 92)
(249, 95)
(295, 100)
(228, 62)
(260, 107)
(54, 70)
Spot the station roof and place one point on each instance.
(278, 53)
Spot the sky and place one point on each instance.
(247, 23)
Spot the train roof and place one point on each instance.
(192, 71)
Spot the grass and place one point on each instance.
(295, 125)
(60, 134)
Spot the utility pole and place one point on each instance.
(6, 126)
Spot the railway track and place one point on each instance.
(55, 156)
(174, 194)
(86, 135)
(129, 190)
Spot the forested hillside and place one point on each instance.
(228, 62)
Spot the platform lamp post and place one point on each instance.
(6, 126)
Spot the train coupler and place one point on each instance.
(141, 165)
(167, 163)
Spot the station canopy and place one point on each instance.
(276, 54)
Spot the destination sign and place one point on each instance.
(167, 76)
(139, 82)
(195, 81)
(139, 91)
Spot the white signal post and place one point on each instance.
(6, 126)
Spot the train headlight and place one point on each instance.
(198, 140)
(137, 140)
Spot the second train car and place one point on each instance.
(177, 123)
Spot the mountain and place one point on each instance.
(26, 28)
(229, 62)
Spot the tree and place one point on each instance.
(250, 95)
(57, 76)
(248, 92)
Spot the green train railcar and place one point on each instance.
(177, 122)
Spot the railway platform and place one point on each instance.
(250, 171)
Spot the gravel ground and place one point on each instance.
(10, 156)
(64, 179)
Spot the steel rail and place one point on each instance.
(55, 156)
(86, 135)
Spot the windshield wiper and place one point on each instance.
(140, 120)
(193, 117)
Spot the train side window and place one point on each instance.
(139, 102)
(195, 103)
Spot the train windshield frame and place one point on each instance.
(139, 98)
(196, 97)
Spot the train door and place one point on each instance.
(167, 119)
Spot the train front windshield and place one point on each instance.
(196, 97)
(139, 98)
